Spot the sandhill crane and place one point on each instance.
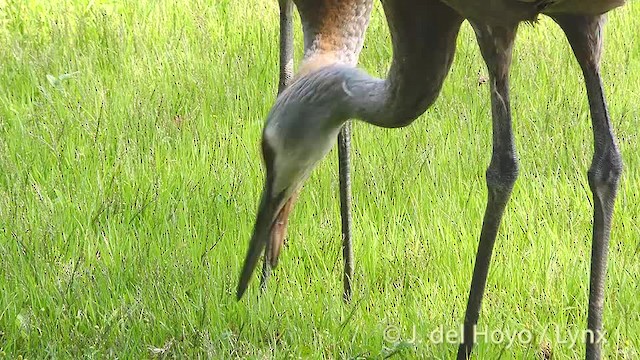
(308, 115)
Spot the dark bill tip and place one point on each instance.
(267, 212)
(249, 266)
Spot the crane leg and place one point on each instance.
(496, 45)
(286, 44)
(285, 76)
(585, 36)
(344, 144)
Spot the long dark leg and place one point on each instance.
(285, 76)
(286, 44)
(585, 36)
(496, 47)
(344, 143)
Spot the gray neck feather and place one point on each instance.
(344, 92)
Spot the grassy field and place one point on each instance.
(130, 173)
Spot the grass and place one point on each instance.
(130, 173)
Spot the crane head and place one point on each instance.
(300, 130)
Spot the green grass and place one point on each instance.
(130, 173)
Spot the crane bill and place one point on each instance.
(269, 231)
(266, 214)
